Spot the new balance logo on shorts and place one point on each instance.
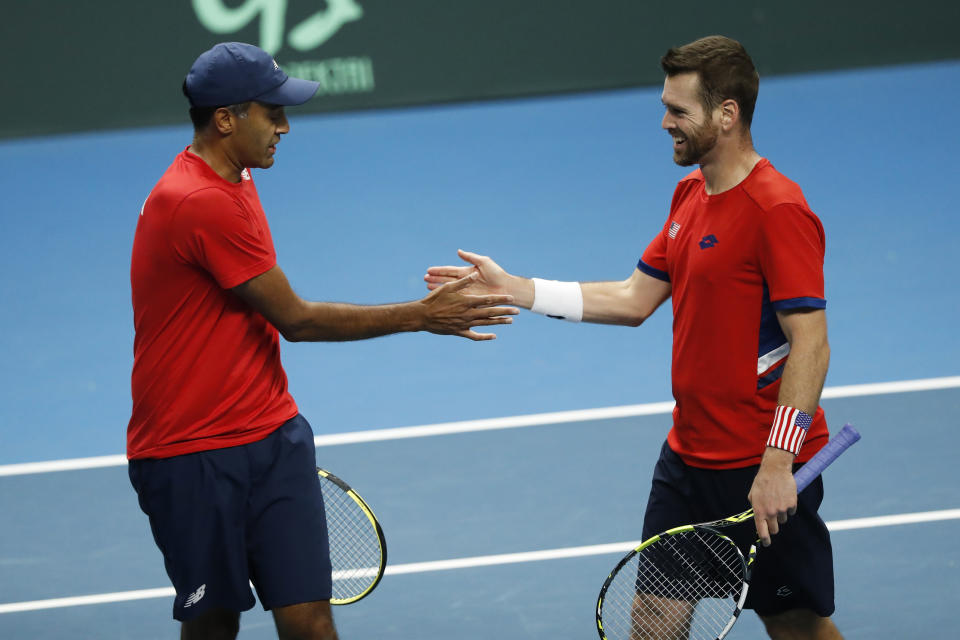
(195, 597)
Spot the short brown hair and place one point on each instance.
(726, 72)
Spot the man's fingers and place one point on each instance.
(455, 311)
(473, 335)
(435, 282)
(487, 305)
(484, 313)
(489, 301)
(762, 532)
(773, 526)
(481, 322)
(449, 272)
(462, 283)
(473, 258)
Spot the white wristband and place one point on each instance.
(561, 300)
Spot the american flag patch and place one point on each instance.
(789, 429)
(674, 228)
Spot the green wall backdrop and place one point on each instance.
(72, 66)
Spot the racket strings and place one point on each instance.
(685, 585)
(355, 551)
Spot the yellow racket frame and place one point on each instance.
(323, 473)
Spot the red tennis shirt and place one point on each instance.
(206, 369)
(734, 259)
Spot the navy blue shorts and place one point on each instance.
(227, 517)
(794, 572)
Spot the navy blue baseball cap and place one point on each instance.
(235, 72)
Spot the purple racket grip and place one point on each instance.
(825, 457)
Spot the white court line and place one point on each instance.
(478, 561)
(889, 521)
(881, 388)
(489, 424)
(623, 547)
(100, 598)
(538, 419)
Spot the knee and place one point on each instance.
(799, 624)
(321, 629)
(216, 624)
(310, 621)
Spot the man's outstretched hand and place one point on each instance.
(490, 278)
(455, 306)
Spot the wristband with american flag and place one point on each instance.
(789, 429)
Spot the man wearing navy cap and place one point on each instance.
(223, 463)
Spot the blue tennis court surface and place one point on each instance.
(566, 188)
(559, 488)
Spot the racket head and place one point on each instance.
(688, 582)
(358, 548)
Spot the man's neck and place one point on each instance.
(217, 159)
(728, 167)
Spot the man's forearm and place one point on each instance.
(337, 322)
(627, 302)
(611, 303)
(804, 375)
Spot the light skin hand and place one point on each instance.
(490, 278)
(773, 494)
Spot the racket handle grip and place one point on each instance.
(825, 457)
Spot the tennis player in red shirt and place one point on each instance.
(222, 462)
(741, 256)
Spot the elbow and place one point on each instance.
(297, 325)
(637, 316)
(293, 332)
(308, 330)
(291, 336)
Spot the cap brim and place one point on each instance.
(292, 92)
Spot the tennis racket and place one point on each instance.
(691, 581)
(358, 550)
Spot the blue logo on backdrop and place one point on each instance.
(708, 241)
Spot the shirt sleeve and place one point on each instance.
(216, 233)
(792, 249)
(654, 259)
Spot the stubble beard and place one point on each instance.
(699, 143)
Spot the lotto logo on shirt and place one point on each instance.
(708, 241)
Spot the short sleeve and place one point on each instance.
(654, 259)
(214, 231)
(791, 256)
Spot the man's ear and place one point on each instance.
(223, 121)
(729, 114)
